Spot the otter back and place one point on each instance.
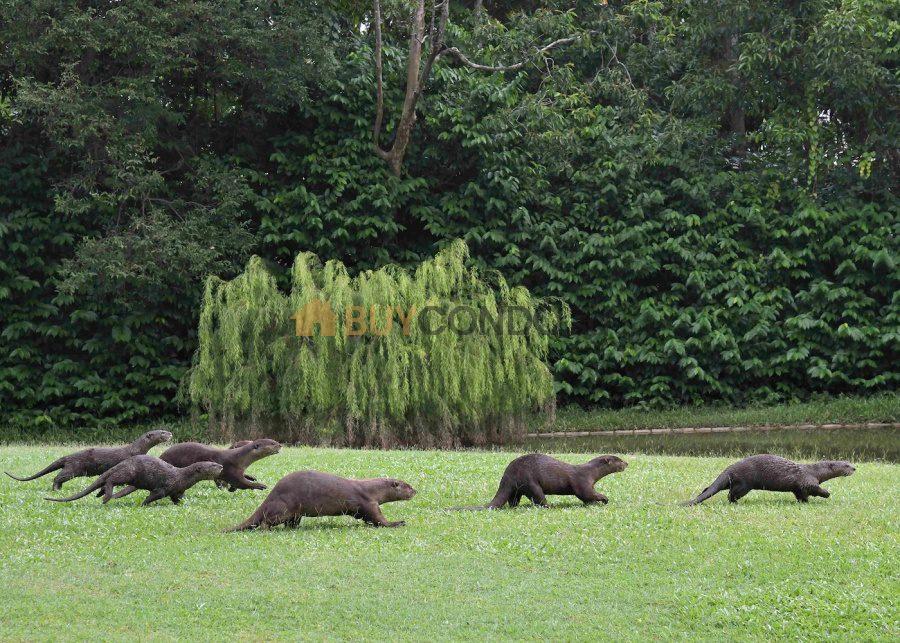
(313, 493)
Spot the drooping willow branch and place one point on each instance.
(417, 74)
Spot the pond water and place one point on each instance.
(824, 444)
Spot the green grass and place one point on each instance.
(877, 408)
(641, 567)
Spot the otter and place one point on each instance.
(536, 476)
(160, 478)
(233, 461)
(97, 460)
(312, 493)
(772, 473)
(239, 443)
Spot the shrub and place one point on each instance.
(474, 382)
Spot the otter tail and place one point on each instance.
(59, 464)
(252, 522)
(719, 484)
(502, 495)
(92, 488)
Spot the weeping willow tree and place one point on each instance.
(432, 357)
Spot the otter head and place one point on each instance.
(205, 470)
(609, 464)
(260, 449)
(152, 438)
(398, 490)
(834, 469)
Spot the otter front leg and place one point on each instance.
(819, 491)
(588, 496)
(240, 481)
(371, 513)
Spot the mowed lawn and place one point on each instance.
(641, 567)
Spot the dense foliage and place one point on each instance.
(708, 185)
(393, 357)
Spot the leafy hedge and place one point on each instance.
(709, 186)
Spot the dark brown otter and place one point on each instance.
(773, 473)
(97, 460)
(536, 476)
(148, 472)
(312, 493)
(233, 461)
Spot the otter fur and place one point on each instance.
(313, 493)
(233, 460)
(536, 476)
(773, 473)
(160, 478)
(97, 460)
(239, 443)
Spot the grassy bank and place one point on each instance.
(641, 567)
(844, 410)
(880, 408)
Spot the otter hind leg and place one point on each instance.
(536, 494)
(121, 493)
(107, 491)
(276, 514)
(737, 491)
(62, 477)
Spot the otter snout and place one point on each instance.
(407, 491)
(211, 469)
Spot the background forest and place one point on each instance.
(709, 185)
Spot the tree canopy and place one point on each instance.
(709, 185)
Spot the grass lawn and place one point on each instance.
(641, 567)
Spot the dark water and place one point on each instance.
(832, 444)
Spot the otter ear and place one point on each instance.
(395, 484)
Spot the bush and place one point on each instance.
(371, 371)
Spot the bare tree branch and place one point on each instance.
(461, 57)
(417, 78)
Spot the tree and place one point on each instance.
(417, 74)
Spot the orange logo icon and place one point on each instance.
(315, 312)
